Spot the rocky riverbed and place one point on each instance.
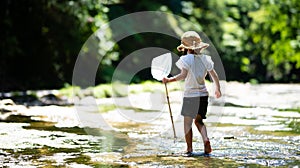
(252, 125)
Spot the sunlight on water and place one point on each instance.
(256, 128)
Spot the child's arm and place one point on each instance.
(178, 77)
(215, 78)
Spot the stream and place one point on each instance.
(251, 126)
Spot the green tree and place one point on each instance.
(40, 40)
(275, 33)
(258, 39)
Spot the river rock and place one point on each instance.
(52, 99)
(5, 108)
(4, 105)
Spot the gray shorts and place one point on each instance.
(194, 105)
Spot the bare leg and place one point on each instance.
(202, 129)
(188, 133)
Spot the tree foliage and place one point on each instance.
(40, 39)
(258, 39)
(274, 31)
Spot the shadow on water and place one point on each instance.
(43, 144)
(28, 142)
(181, 161)
(249, 134)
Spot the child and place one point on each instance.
(194, 67)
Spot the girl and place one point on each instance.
(194, 67)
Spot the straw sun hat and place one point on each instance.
(191, 40)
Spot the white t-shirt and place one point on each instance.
(197, 67)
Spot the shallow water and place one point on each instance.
(257, 128)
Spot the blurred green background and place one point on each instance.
(257, 40)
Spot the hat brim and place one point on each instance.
(202, 45)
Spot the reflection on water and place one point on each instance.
(36, 143)
(248, 133)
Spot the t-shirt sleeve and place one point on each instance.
(184, 62)
(209, 64)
